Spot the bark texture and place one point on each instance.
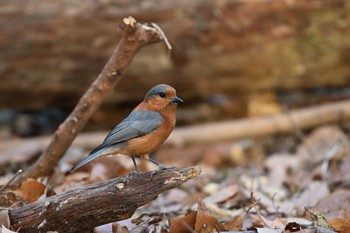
(81, 209)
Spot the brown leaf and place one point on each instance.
(8, 198)
(235, 224)
(31, 190)
(4, 218)
(311, 195)
(155, 220)
(332, 204)
(319, 143)
(222, 195)
(341, 225)
(183, 223)
(205, 222)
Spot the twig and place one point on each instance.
(254, 205)
(164, 38)
(135, 36)
(11, 180)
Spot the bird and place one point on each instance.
(143, 130)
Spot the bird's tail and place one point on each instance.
(93, 155)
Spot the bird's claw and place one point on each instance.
(161, 167)
(135, 172)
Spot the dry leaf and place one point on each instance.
(205, 222)
(183, 223)
(277, 225)
(5, 230)
(31, 190)
(317, 145)
(116, 228)
(268, 230)
(235, 224)
(312, 194)
(8, 198)
(5, 218)
(332, 204)
(222, 195)
(341, 225)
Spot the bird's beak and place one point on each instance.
(176, 100)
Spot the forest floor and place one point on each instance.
(269, 184)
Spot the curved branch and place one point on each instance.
(135, 36)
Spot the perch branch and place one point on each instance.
(135, 35)
(81, 209)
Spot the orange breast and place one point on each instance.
(150, 142)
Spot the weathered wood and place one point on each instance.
(304, 118)
(81, 209)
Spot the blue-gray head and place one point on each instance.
(162, 95)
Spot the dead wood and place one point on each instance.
(212, 132)
(283, 123)
(81, 209)
(135, 36)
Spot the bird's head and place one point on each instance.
(162, 96)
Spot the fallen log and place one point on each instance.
(82, 209)
(304, 118)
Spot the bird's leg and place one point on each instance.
(161, 167)
(137, 170)
(135, 164)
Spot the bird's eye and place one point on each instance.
(162, 94)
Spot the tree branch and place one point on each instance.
(135, 35)
(81, 209)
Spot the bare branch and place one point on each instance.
(135, 36)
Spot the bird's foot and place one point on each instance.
(135, 172)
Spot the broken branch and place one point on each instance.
(84, 208)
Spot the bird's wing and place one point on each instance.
(137, 124)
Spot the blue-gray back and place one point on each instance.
(137, 124)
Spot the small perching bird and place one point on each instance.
(146, 127)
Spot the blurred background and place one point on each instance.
(231, 59)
